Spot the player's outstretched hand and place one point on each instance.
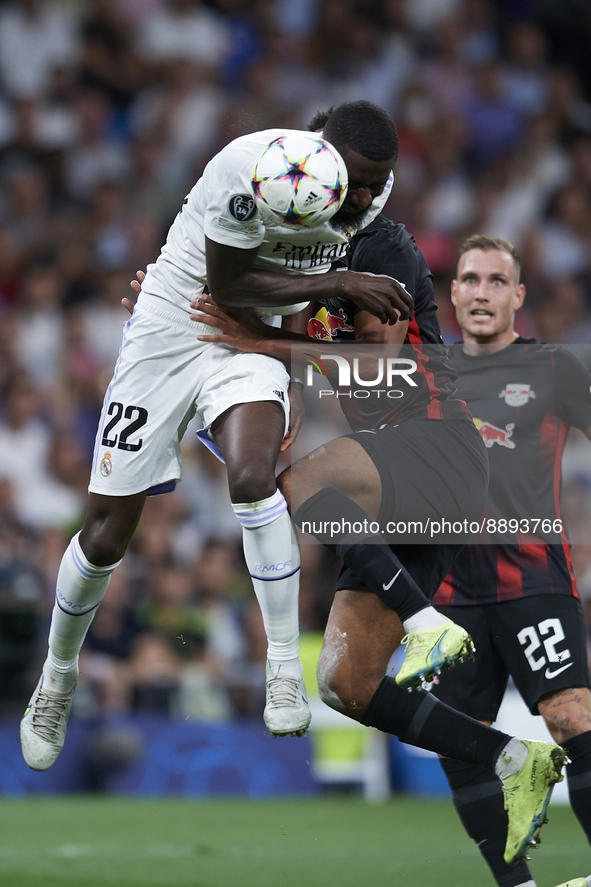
(136, 286)
(244, 334)
(380, 295)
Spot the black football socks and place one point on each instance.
(343, 527)
(422, 720)
(578, 775)
(478, 797)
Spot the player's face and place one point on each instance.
(367, 180)
(486, 295)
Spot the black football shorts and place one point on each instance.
(430, 470)
(434, 476)
(539, 641)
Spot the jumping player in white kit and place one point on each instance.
(164, 375)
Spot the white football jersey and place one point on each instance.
(221, 206)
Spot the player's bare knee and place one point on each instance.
(567, 726)
(109, 525)
(349, 699)
(567, 713)
(339, 685)
(101, 545)
(332, 663)
(328, 687)
(251, 483)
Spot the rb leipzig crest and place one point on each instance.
(517, 394)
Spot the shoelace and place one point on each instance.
(48, 711)
(420, 644)
(283, 691)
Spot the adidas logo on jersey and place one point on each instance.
(279, 394)
(311, 199)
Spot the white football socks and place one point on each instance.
(272, 556)
(80, 589)
(428, 617)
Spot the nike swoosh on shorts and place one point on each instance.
(392, 581)
(552, 674)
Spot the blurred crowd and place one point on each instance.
(109, 110)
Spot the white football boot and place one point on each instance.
(287, 711)
(43, 727)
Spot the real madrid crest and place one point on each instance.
(106, 465)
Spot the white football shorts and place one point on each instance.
(163, 376)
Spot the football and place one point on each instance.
(300, 180)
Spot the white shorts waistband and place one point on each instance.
(157, 307)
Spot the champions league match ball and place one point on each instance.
(300, 180)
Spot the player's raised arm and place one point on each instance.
(246, 332)
(234, 283)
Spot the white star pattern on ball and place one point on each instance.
(299, 180)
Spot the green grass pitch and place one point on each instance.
(320, 842)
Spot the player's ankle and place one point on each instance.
(426, 618)
(59, 674)
(290, 667)
(511, 758)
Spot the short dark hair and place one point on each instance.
(319, 119)
(485, 243)
(361, 127)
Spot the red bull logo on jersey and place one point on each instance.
(517, 394)
(491, 434)
(325, 325)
